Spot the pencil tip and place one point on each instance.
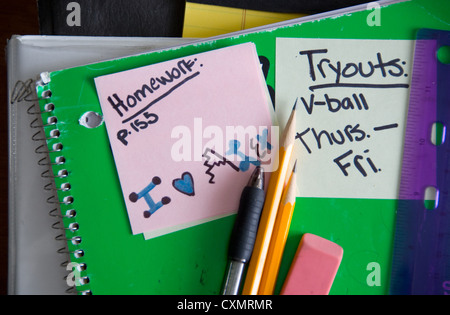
(257, 178)
(295, 105)
(294, 169)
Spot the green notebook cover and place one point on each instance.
(193, 261)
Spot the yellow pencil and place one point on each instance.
(269, 213)
(279, 236)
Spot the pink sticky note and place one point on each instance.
(176, 130)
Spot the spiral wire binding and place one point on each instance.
(56, 212)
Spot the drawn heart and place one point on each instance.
(185, 184)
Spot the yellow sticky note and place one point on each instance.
(202, 20)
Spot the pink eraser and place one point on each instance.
(314, 267)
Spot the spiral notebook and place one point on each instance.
(28, 214)
(106, 256)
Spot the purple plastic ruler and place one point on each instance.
(421, 256)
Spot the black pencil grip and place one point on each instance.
(246, 225)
